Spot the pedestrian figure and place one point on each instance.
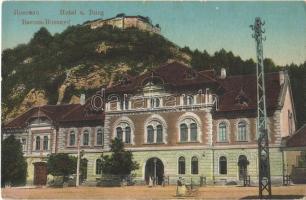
(181, 187)
(150, 182)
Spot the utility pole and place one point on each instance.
(262, 132)
(78, 164)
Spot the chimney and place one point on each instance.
(82, 99)
(282, 78)
(223, 73)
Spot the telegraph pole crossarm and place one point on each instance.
(263, 139)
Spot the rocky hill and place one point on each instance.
(56, 69)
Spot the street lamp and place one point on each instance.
(78, 165)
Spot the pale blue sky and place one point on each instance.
(202, 25)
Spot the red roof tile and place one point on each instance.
(53, 112)
(173, 75)
(83, 113)
(246, 85)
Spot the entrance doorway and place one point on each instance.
(155, 170)
(40, 173)
(243, 166)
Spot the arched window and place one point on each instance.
(100, 137)
(37, 143)
(150, 134)
(71, 138)
(243, 166)
(222, 165)
(124, 132)
(119, 132)
(98, 166)
(127, 135)
(184, 132)
(45, 143)
(159, 135)
(181, 165)
(193, 132)
(194, 165)
(86, 138)
(242, 131)
(222, 132)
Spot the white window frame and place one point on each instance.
(246, 131)
(189, 118)
(155, 120)
(194, 156)
(226, 165)
(227, 129)
(41, 137)
(120, 123)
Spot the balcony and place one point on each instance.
(162, 102)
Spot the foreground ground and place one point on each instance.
(143, 192)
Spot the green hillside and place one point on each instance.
(58, 68)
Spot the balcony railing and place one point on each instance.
(141, 103)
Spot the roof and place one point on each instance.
(246, 86)
(83, 113)
(56, 113)
(298, 139)
(231, 91)
(172, 75)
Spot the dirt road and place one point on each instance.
(144, 192)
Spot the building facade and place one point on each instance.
(123, 21)
(177, 122)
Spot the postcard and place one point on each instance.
(153, 100)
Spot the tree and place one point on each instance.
(61, 164)
(120, 162)
(41, 38)
(13, 164)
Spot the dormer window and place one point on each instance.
(242, 99)
(155, 102)
(124, 104)
(188, 100)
